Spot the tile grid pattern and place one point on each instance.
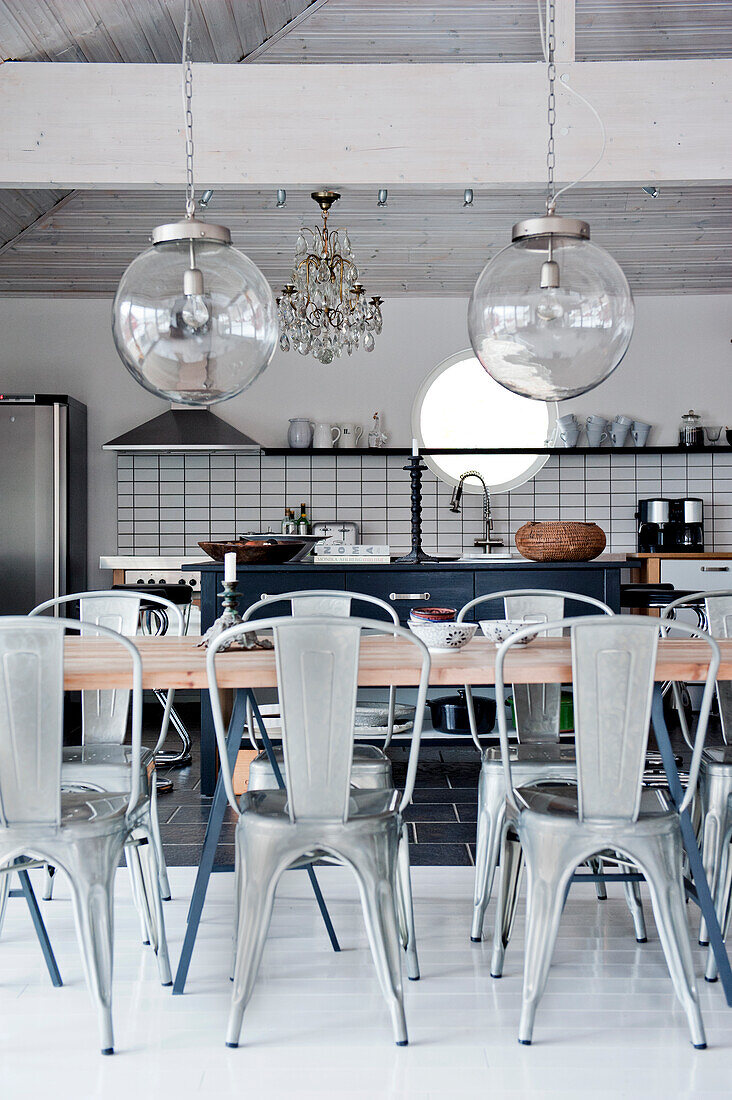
(166, 503)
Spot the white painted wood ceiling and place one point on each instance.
(424, 243)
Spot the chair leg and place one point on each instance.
(158, 841)
(596, 867)
(715, 795)
(509, 881)
(406, 906)
(4, 892)
(139, 894)
(548, 880)
(491, 810)
(635, 905)
(722, 905)
(660, 860)
(375, 868)
(151, 882)
(261, 866)
(92, 865)
(48, 882)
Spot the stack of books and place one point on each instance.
(343, 553)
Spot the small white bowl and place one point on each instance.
(497, 630)
(443, 637)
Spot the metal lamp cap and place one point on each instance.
(551, 225)
(190, 229)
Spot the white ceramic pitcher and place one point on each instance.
(323, 436)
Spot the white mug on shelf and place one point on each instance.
(323, 436)
(350, 435)
(569, 435)
(640, 431)
(619, 432)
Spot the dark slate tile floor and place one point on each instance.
(441, 819)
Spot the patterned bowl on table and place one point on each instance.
(497, 630)
(443, 637)
(433, 614)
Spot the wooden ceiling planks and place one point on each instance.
(423, 242)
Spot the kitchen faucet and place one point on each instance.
(487, 541)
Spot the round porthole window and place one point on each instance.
(459, 405)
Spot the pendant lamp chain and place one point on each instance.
(188, 110)
(551, 107)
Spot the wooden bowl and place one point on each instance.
(254, 553)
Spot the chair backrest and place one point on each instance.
(613, 670)
(317, 660)
(323, 601)
(104, 714)
(31, 717)
(537, 707)
(718, 619)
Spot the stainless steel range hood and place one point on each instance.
(183, 429)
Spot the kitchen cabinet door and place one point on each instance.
(587, 582)
(408, 588)
(270, 584)
(697, 574)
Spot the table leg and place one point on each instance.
(50, 959)
(704, 897)
(281, 784)
(210, 843)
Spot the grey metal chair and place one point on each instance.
(555, 827)
(82, 833)
(715, 778)
(102, 762)
(319, 812)
(371, 767)
(536, 755)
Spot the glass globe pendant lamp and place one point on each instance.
(551, 316)
(193, 319)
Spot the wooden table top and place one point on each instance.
(178, 663)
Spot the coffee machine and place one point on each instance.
(687, 524)
(670, 526)
(654, 516)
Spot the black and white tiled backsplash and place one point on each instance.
(166, 503)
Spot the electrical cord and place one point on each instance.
(564, 80)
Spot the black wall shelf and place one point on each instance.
(406, 451)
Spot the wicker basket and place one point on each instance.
(560, 540)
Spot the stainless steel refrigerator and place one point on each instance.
(43, 506)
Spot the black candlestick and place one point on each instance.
(416, 554)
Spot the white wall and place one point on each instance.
(679, 357)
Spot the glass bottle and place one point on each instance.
(303, 524)
(288, 523)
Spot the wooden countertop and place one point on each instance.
(178, 663)
(720, 555)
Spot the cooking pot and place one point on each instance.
(450, 713)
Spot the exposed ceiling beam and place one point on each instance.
(565, 28)
(119, 126)
(39, 223)
(257, 52)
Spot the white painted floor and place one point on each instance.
(608, 1026)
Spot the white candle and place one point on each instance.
(230, 566)
(415, 448)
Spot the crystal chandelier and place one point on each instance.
(551, 316)
(324, 310)
(193, 319)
